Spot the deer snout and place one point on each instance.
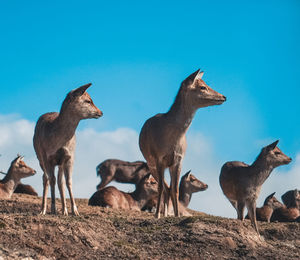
(99, 113)
(205, 186)
(224, 98)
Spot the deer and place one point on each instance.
(189, 184)
(54, 143)
(162, 139)
(121, 171)
(17, 170)
(265, 212)
(26, 189)
(241, 183)
(113, 198)
(290, 212)
(23, 188)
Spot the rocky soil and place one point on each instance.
(101, 233)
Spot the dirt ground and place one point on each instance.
(101, 233)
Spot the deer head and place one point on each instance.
(79, 103)
(198, 93)
(272, 202)
(274, 156)
(192, 184)
(149, 185)
(20, 169)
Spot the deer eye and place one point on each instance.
(277, 153)
(203, 88)
(88, 101)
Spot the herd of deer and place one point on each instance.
(162, 142)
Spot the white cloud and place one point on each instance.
(93, 147)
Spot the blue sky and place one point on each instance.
(137, 53)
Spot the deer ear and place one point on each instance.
(199, 75)
(272, 195)
(191, 78)
(272, 145)
(79, 91)
(296, 193)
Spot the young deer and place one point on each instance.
(291, 211)
(189, 184)
(241, 183)
(121, 171)
(17, 170)
(162, 139)
(114, 198)
(265, 212)
(54, 144)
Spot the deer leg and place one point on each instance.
(52, 180)
(160, 173)
(166, 198)
(61, 187)
(45, 192)
(68, 177)
(104, 181)
(240, 210)
(175, 174)
(251, 206)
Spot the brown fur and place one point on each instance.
(265, 212)
(25, 189)
(114, 198)
(162, 139)
(54, 143)
(291, 211)
(121, 171)
(17, 170)
(241, 183)
(189, 184)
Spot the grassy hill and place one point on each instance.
(101, 233)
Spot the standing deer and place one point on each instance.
(290, 212)
(54, 143)
(114, 198)
(265, 212)
(17, 170)
(162, 139)
(121, 171)
(241, 183)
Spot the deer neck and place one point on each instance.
(66, 124)
(10, 182)
(261, 170)
(184, 196)
(181, 112)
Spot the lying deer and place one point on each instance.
(17, 170)
(121, 171)
(265, 212)
(26, 189)
(241, 183)
(162, 139)
(54, 144)
(23, 188)
(290, 212)
(114, 198)
(189, 184)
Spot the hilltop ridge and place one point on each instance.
(102, 233)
